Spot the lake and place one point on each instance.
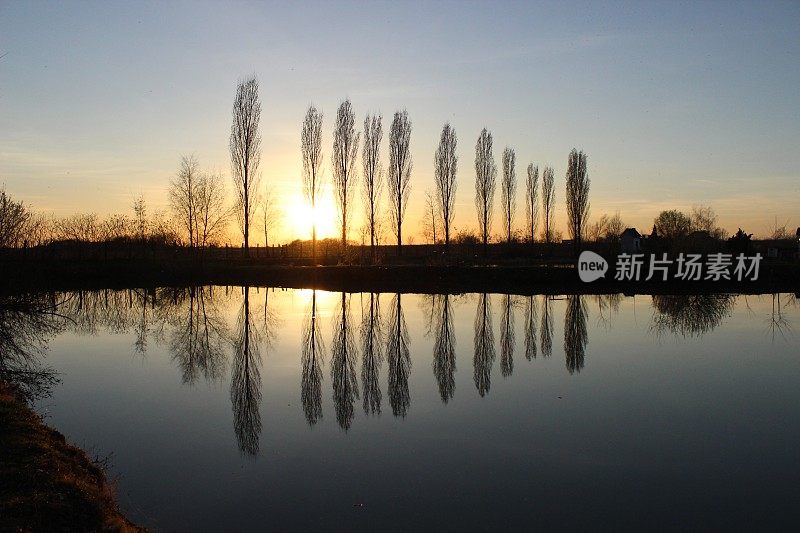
(229, 408)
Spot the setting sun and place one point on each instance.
(299, 217)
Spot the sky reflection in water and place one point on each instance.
(231, 408)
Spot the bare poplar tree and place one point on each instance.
(245, 147)
(508, 190)
(532, 200)
(485, 182)
(183, 196)
(577, 196)
(311, 151)
(373, 175)
(445, 163)
(399, 172)
(345, 148)
(548, 202)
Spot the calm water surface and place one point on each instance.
(246, 409)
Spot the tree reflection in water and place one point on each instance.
(530, 327)
(246, 379)
(607, 308)
(690, 314)
(313, 351)
(444, 351)
(484, 345)
(343, 368)
(197, 344)
(575, 334)
(398, 357)
(371, 334)
(547, 326)
(507, 339)
(27, 322)
(192, 325)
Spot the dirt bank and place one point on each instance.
(48, 484)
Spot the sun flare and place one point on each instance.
(301, 218)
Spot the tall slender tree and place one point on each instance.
(577, 196)
(508, 190)
(485, 183)
(311, 151)
(373, 175)
(532, 200)
(245, 147)
(445, 163)
(345, 149)
(399, 172)
(548, 203)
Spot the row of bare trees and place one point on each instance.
(345, 150)
(21, 227)
(445, 167)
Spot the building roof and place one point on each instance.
(631, 232)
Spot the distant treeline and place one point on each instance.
(200, 213)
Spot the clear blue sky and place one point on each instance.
(675, 103)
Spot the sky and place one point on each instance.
(675, 103)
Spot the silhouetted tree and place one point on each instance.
(507, 337)
(313, 351)
(548, 203)
(575, 333)
(508, 190)
(373, 175)
(183, 196)
(741, 243)
(606, 228)
(577, 196)
(399, 181)
(704, 218)
(343, 369)
(484, 345)
(245, 148)
(345, 149)
(672, 224)
(530, 327)
(14, 217)
(532, 200)
(445, 163)
(372, 356)
(246, 380)
(311, 151)
(398, 359)
(485, 182)
(444, 351)
(210, 209)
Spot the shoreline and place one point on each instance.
(50, 484)
(555, 278)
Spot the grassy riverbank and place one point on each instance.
(48, 484)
